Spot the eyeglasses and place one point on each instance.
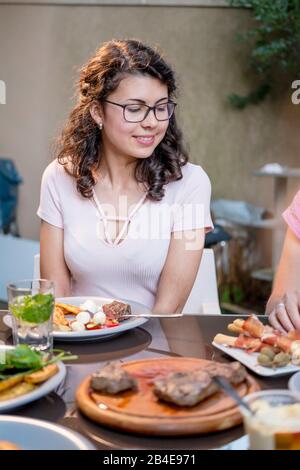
(138, 112)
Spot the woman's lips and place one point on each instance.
(146, 141)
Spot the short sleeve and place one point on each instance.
(292, 215)
(192, 207)
(50, 205)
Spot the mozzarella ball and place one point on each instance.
(90, 306)
(77, 326)
(99, 318)
(83, 317)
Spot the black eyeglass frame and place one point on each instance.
(150, 108)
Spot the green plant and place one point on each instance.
(232, 294)
(275, 38)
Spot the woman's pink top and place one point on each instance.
(292, 215)
(131, 269)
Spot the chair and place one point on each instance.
(16, 256)
(204, 298)
(36, 266)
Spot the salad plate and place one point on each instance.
(38, 391)
(96, 334)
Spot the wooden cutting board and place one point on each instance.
(142, 412)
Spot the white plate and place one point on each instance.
(34, 434)
(106, 333)
(39, 392)
(250, 360)
(294, 383)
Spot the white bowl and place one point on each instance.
(294, 383)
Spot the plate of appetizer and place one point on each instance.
(164, 396)
(18, 433)
(93, 318)
(27, 375)
(261, 348)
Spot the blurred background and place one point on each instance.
(44, 43)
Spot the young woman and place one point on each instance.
(123, 212)
(284, 304)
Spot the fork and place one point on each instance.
(152, 315)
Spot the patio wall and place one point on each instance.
(41, 48)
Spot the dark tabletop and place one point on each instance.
(186, 336)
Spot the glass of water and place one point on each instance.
(31, 303)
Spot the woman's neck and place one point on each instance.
(117, 172)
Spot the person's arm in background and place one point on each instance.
(52, 261)
(283, 306)
(180, 271)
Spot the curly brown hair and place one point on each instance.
(80, 143)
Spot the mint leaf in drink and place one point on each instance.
(33, 308)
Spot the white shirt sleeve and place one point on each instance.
(50, 205)
(192, 207)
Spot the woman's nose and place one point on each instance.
(150, 120)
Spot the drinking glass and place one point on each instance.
(31, 303)
(275, 421)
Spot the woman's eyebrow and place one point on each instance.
(144, 102)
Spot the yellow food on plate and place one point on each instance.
(6, 445)
(16, 391)
(68, 309)
(10, 382)
(41, 375)
(57, 327)
(59, 316)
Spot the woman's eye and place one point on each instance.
(134, 109)
(162, 108)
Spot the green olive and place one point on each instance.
(268, 351)
(264, 360)
(281, 359)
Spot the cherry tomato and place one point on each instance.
(111, 323)
(92, 326)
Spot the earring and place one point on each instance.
(100, 125)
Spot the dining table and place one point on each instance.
(186, 336)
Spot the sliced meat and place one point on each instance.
(112, 379)
(190, 388)
(117, 310)
(185, 388)
(234, 372)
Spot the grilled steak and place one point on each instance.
(112, 379)
(234, 372)
(185, 388)
(117, 310)
(189, 388)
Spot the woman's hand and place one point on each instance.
(283, 307)
(285, 315)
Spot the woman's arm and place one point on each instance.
(180, 270)
(284, 304)
(52, 261)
